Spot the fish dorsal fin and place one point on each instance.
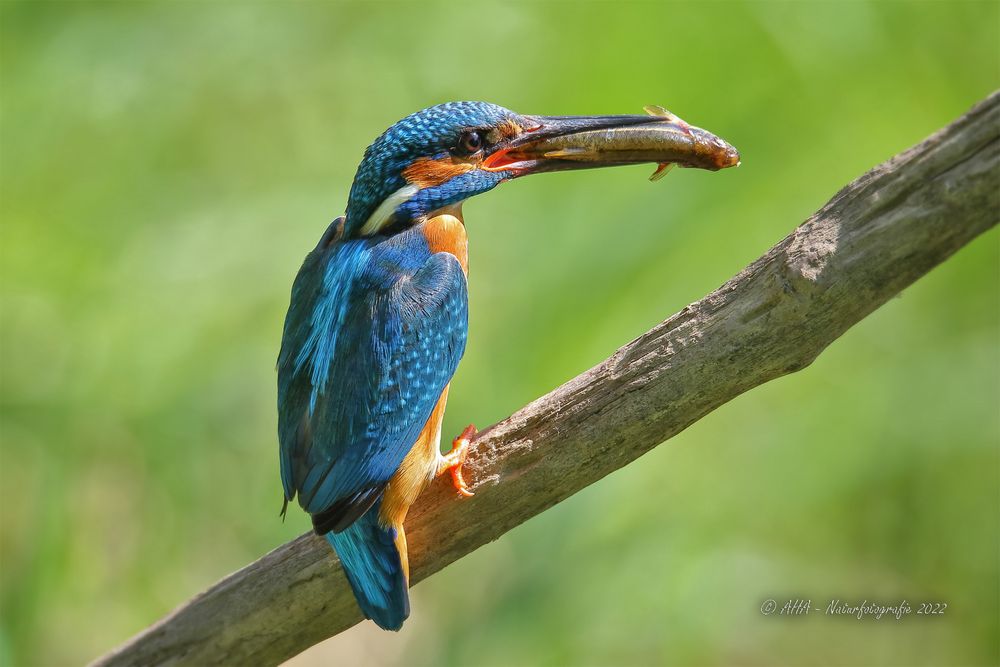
(660, 112)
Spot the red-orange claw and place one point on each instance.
(459, 482)
(466, 435)
(453, 460)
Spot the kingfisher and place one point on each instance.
(378, 316)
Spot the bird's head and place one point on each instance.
(437, 158)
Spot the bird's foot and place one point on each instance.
(453, 460)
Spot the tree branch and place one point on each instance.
(875, 237)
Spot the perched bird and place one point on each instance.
(379, 312)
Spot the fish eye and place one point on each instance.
(470, 142)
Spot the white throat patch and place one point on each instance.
(380, 216)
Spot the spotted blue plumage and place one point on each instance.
(374, 332)
(367, 351)
(451, 191)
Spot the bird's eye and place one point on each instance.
(470, 142)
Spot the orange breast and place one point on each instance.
(446, 233)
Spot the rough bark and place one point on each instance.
(874, 238)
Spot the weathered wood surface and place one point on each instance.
(875, 237)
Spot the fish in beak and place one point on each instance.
(559, 143)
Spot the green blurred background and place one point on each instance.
(166, 166)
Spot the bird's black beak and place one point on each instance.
(557, 143)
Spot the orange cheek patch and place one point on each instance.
(427, 173)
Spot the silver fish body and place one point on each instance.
(666, 142)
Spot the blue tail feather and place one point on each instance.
(367, 551)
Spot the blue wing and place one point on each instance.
(374, 332)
